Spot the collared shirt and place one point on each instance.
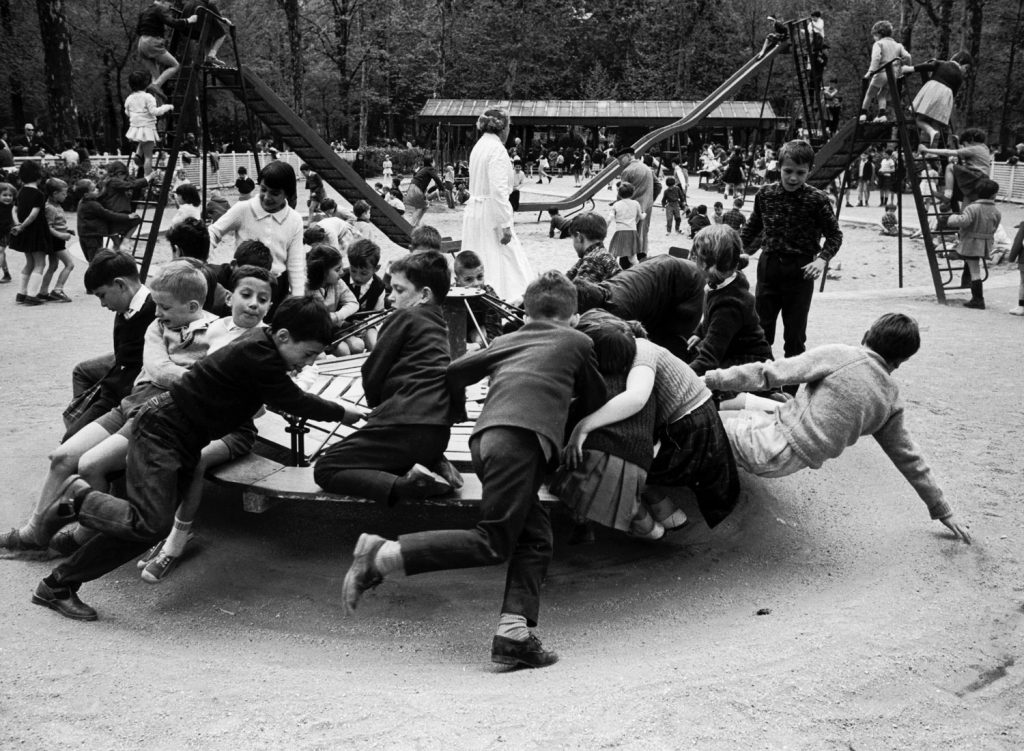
(280, 231)
(138, 300)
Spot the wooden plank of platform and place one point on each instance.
(265, 482)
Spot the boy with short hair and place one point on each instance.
(673, 199)
(788, 222)
(719, 210)
(595, 263)
(339, 231)
(851, 394)
(362, 278)
(734, 217)
(247, 253)
(698, 220)
(393, 456)
(559, 224)
(219, 394)
(424, 238)
(190, 239)
(469, 272)
(244, 184)
(889, 222)
(113, 277)
(251, 292)
(534, 373)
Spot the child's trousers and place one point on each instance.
(164, 449)
(782, 289)
(368, 462)
(514, 526)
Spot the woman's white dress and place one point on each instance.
(488, 212)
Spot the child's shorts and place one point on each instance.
(116, 421)
(759, 445)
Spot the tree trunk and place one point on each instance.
(973, 12)
(945, 29)
(111, 125)
(13, 79)
(342, 29)
(57, 74)
(1005, 133)
(297, 62)
(908, 17)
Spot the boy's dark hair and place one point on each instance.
(108, 265)
(278, 175)
(248, 271)
(737, 203)
(243, 171)
(986, 188)
(626, 190)
(426, 237)
(973, 135)
(360, 208)
(305, 318)
(188, 193)
(590, 224)
(364, 254)
(303, 167)
(314, 234)
(894, 336)
(320, 260)
(253, 253)
(30, 171)
(797, 151)
(670, 181)
(550, 296)
(614, 342)
(328, 205)
(553, 212)
(191, 239)
(718, 205)
(702, 209)
(138, 80)
(467, 259)
(427, 269)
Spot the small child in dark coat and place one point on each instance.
(534, 373)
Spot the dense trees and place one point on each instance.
(361, 69)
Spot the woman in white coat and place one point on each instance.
(487, 226)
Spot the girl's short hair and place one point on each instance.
(279, 175)
(626, 190)
(719, 249)
(138, 80)
(319, 261)
(7, 188)
(882, 29)
(493, 121)
(614, 341)
(55, 185)
(182, 280)
(30, 171)
(973, 135)
(188, 193)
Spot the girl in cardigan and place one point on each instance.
(323, 280)
(605, 486)
(977, 225)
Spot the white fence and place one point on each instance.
(1011, 181)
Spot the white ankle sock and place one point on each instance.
(175, 542)
(389, 559)
(513, 627)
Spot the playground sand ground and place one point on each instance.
(878, 630)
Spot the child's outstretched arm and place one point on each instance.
(898, 445)
(639, 384)
(764, 376)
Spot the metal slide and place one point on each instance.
(589, 189)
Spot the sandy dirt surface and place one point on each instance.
(882, 633)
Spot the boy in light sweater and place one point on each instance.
(850, 393)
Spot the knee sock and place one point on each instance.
(513, 626)
(35, 281)
(174, 545)
(389, 558)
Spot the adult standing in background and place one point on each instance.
(487, 227)
(639, 175)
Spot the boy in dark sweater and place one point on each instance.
(217, 396)
(95, 221)
(787, 224)
(391, 458)
(664, 293)
(113, 278)
(534, 373)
